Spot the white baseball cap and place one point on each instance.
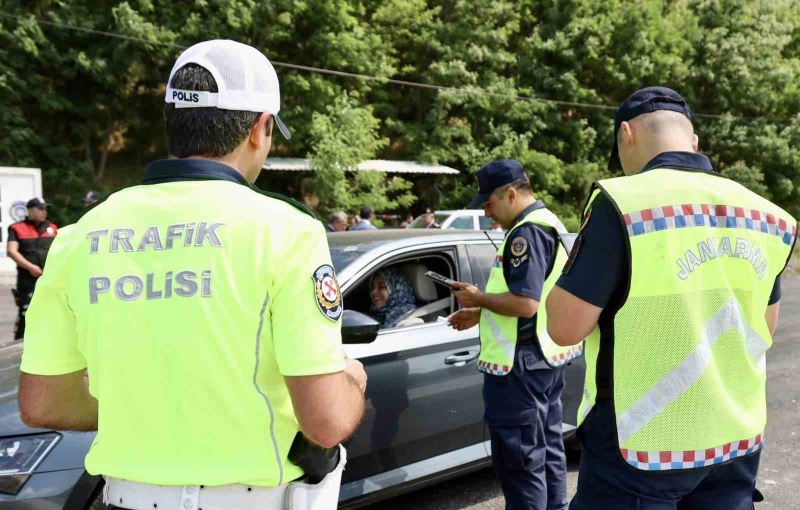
(245, 79)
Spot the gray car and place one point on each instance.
(424, 417)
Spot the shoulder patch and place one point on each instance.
(519, 246)
(327, 292)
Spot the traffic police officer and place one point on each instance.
(29, 241)
(524, 369)
(211, 331)
(675, 275)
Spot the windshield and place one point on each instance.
(420, 221)
(342, 256)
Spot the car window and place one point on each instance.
(419, 222)
(485, 223)
(430, 301)
(462, 222)
(481, 259)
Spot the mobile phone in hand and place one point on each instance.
(441, 279)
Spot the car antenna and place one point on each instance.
(486, 232)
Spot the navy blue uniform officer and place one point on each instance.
(592, 290)
(523, 408)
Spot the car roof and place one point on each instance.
(456, 211)
(366, 245)
(370, 239)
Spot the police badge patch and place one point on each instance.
(327, 292)
(519, 246)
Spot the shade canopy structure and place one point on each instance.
(370, 165)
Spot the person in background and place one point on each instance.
(337, 222)
(90, 198)
(408, 221)
(364, 222)
(392, 297)
(29, 241)
(430, 220)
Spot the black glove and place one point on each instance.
(315, 460)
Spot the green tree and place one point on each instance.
(344, 136)
(537, 80)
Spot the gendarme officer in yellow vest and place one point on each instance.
(524, 369)
(205, 312)
(675, 274)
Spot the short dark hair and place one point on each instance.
(523, 185)
(203, 131)
(366, 213)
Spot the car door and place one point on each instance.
(424, 409)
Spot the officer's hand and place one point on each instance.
(467, 294)
(464, 318)
(35, 271)
(355, 369)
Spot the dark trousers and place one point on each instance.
(22, 296)
(606, 482)
(523, 412)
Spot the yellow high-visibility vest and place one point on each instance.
(689, 342)
(499, 332)
(189, 302)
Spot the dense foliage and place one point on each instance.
(86, 107)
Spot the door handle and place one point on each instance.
(460, 359)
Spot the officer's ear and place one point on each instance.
(512, 194)
(625, 136)
(695, 143)
(261, 132)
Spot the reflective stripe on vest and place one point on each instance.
(499, 332)
(689, 381)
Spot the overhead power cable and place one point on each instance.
(367, 77)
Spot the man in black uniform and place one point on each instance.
(29, 241)
(594, 288)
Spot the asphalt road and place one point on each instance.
(779, 475)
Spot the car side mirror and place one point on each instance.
(358, 328)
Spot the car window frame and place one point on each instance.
(443, 253)
(384, 344)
